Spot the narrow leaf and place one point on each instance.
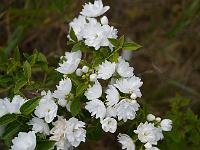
(114, 42)
(131, 46)
(75, 106)
(17, 55)
(7, 119)
(11, 130)
(121, 41)
(19, 84)
(27, 70)
(29, 106)
(73, 35)
(45, 145)
(81, 89)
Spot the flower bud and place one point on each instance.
(158, 119)
(104, 20)
(150, 117)
(93, 77)
(85, 69)
(78, 72)
(133, 96)
(166, 125)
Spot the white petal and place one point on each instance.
(94, 92)
(106, 70)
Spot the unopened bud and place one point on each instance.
(104, 20)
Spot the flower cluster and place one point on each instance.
(148, 133)
(87, 27)
(105, 87)
(68, 133)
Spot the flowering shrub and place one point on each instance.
(97, 88)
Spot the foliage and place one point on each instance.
(186, 126)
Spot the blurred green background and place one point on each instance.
(169, 31)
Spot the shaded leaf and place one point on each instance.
(73, 35)
(19, 84)
(45, 145)
(75, 106)
(8, 118)
(27, 70)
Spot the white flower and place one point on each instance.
(93, 34)
(126, 109)
(166, 125)
(94, 10)
(93, 77)
(104, 20)
(75, 132)
(79, 72)
(39, 125)
(96, 107)
(106, 70)
(109, 125)
(3, 109)
(15, 104)
(158, 119)
(126, 141)
(94, 92)
(96, 35)
(78, 25)
(111, 111)
(123, 68)
(112, 97)
(71, 63)
(58, 132)
(24, 141)
(85, 69)
(46, 109)
(108, 32)
(148, 133)
(150, 117)
(129, 85)
(63, 89)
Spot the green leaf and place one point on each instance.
(19, 84)
(41, 58)
(132, 46)
(81, 89)
(45, 145)
(121, 41)
(12, 66)
(11, 130)
(32, 58)
(4, 80)
(27, 70)
(80, 46)
(8, 118)
(29, 106)
(42, 61)
(114, 42)
(75, 106)
(17, 55)
(94, 132)
(73, 35)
